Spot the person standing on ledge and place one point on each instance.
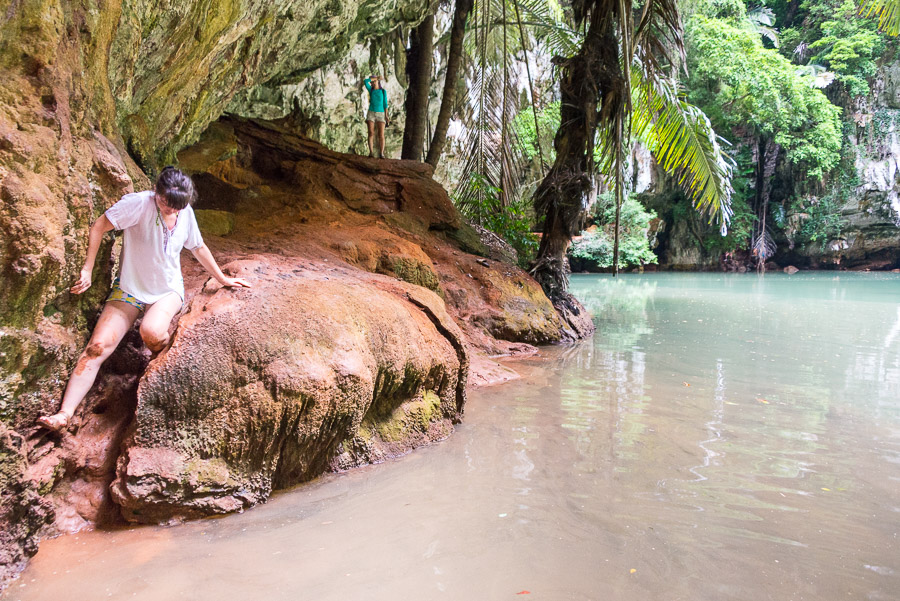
(156, 225)
(377, 116)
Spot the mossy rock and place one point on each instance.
(411, 417)
(215, 223)
(468, 240)
(412, 271)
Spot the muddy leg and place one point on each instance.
(155, 326)
(115, 320)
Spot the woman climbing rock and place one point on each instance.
(377, 116)
(156, 225)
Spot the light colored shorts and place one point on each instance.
(117, 294)
(373, 116)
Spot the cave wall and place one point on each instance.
(329, 105)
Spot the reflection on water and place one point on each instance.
(720, 438)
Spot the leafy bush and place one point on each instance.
(821, 218)
(596, 245)
(512, 223)
(832, 35)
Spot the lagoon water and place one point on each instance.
(722, 437)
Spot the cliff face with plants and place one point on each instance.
(815, 143)
(850, 220)
(369, 309)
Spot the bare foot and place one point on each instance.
(56, 422)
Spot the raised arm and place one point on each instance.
(95, 236)
(204, 256)
(368, 82)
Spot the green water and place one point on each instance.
(720, 438)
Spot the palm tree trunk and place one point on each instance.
(591, 86)
(448, 98)
(419, 59)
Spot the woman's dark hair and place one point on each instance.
(175, 187)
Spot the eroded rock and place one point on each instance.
(262, 385)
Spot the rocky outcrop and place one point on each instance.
(353, 346)
(93, 96)
(263, 388)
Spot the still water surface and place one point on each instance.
(721, 437)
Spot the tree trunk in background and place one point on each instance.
(419, 59)
(763, 245)
(790, 14)
(448, 98)
(590, 80)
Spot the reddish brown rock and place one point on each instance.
(262, 386)
(352, 347)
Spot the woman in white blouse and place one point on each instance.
(156, 225)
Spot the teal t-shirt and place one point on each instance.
(377, 98)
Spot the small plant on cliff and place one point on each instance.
(827, 32)
(818, 220)
(509, 221)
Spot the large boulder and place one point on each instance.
(264, 387)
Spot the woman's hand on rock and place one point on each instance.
(83, 283)
(236, 283)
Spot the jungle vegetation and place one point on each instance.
(551, 98)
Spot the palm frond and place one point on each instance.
(888, 12)
(494, 154)
(548, 23)
(684, 144)
(763, 246)
(762, 18)
(658, 35)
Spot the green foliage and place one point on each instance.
(720, 9)
(548, 123)
(596, 244)
(821, 219)
(829, 33)
(682, 140)
(748, 88)
(512, 222)
(848, 46)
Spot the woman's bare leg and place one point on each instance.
(155, 326)
(371, 125)
(380, 126)
(115, 320)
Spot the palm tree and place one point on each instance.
(615, 87)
